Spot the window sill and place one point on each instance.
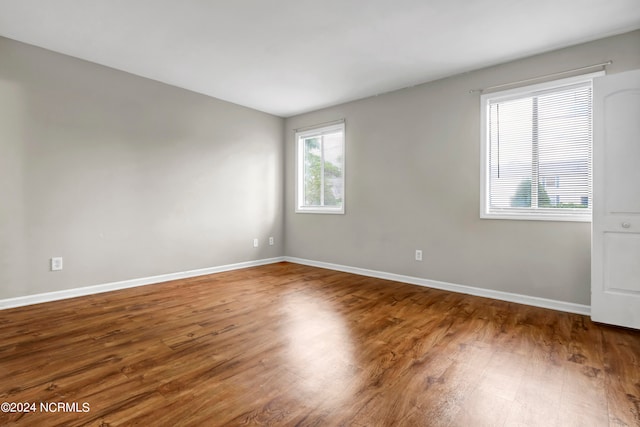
(537, 217)
(331, 211)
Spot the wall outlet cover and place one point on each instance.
(56, 263)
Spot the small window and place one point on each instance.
(536, 148)
(320, 169)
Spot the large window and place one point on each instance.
(320, 169)
(536, 148)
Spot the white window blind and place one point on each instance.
(538, 153)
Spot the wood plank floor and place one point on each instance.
(286, 344)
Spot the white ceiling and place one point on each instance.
(291, 56)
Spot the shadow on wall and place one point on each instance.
(13, 233)
(125, 177)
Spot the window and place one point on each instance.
(536, 149)
(320, 169)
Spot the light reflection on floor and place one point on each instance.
(320, 349)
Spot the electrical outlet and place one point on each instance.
(418, 255)
(271, 241)
(255, 243)
(56, 263)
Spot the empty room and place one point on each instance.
(320, 213)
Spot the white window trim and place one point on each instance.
(541, 214)
(319, 130)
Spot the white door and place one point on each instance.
(615, 252)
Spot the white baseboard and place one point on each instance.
(106, 287)
(481, 292)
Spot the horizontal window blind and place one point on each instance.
(539, 152)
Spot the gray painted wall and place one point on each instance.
(412, 182)
(126, 177)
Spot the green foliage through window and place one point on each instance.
(314, 171)
(522, 198)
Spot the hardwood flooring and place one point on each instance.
(286, 344)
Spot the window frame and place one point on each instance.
(540, 214)
(305, 133)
